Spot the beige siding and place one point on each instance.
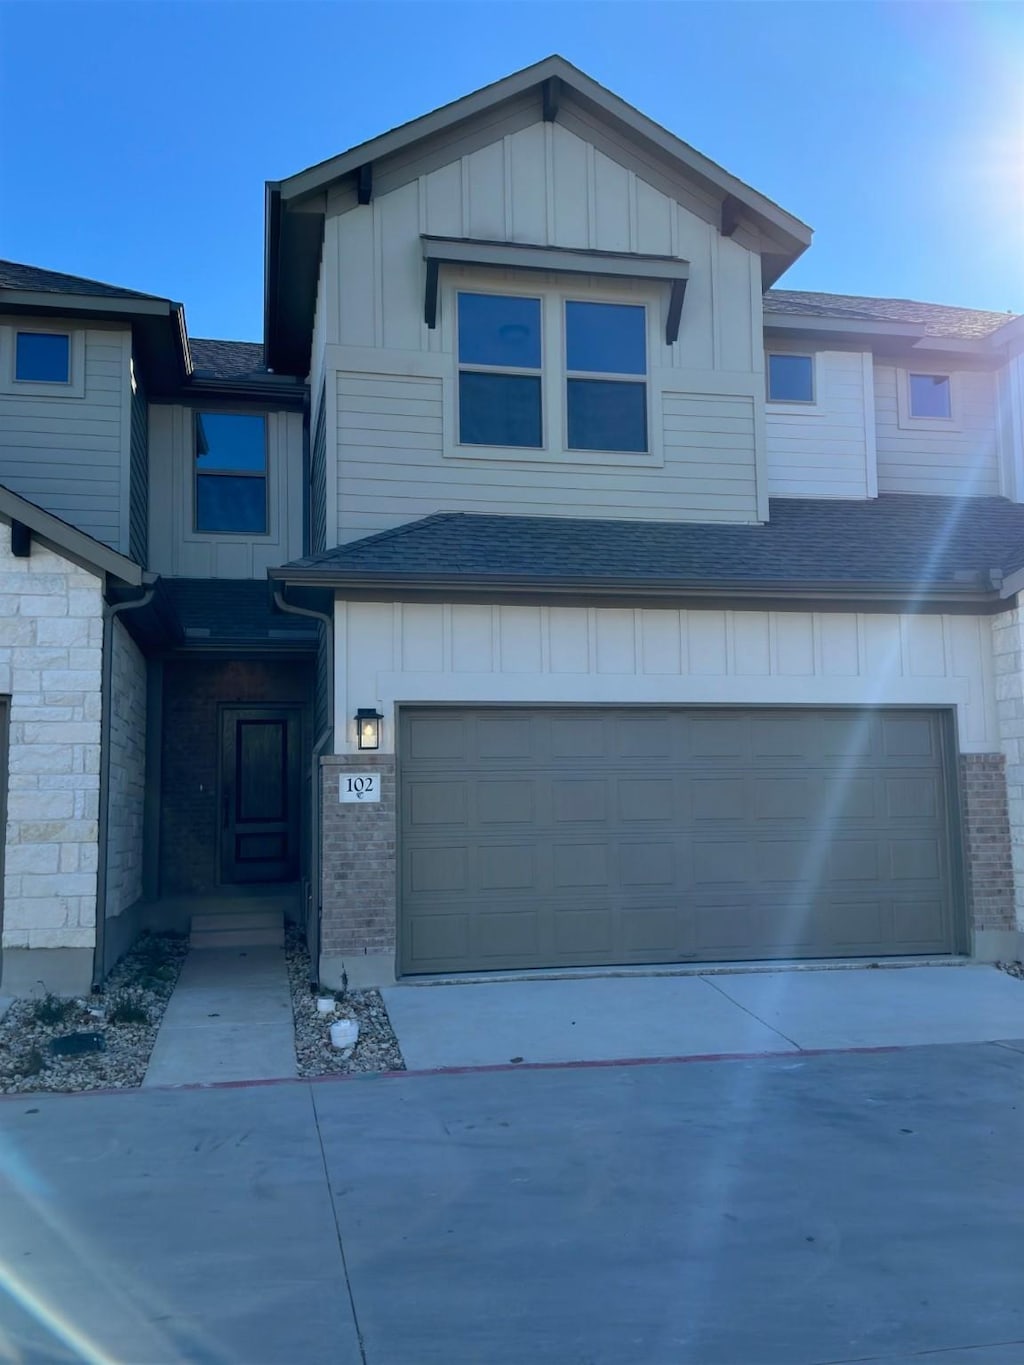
(827, 449)
(178, 550)
(393, 467)
(409, 653)
(962, 459)
(70, 454)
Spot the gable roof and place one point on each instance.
(68, 540)
(295, 215)
(933, 319)
(897, 545)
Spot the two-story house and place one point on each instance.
(623, 608)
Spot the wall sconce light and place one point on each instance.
(368, 727)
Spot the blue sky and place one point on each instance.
(137, 136)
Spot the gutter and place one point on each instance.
(110, 614)
(316, 794)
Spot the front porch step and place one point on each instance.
(240, 929)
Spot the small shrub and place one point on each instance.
(51, 1009)
(128, 1006)
(31, 1064)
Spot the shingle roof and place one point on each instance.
(896, 540)
(936, 319)
(226, 359)
(235, 610)
(13, 275)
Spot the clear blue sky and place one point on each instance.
(135, 137)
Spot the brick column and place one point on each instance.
(989, 853)
(1008, 659)
(358, 875)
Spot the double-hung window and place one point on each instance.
(231, 472)
(550, 373)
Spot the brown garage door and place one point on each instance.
(544, 837)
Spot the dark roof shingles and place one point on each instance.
(14, 275)
(234, 610)
(226, 359)
(897, 540)
(935, 319)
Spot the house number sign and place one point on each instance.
(359, 787)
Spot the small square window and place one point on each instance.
(42, 358)
(930, 395)
(791, 379)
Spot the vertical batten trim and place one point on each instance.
(549, 182)
(506, 176)
(870, 425)
(591, 167)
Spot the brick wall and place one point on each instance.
(127, 773)
(986, 829)
(189, 818)
(51, 637)
(1008, 661)
(358, 861)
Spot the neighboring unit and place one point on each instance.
(622, 607)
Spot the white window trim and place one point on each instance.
(789, 405)
(191, 530)
(554, 415)
(34, 388)
(906, 421)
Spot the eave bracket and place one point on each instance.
(364, 183)
(21, 540)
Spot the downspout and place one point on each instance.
(316, 794)
(110, 614)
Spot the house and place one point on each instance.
(550, 589)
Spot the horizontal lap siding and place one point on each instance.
(822, 453)
(393, 469)
(961, 461)
(66, 453)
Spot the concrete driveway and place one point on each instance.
(796, 1210)
(494, 1023)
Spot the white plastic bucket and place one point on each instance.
(325, 1004)
(344, 1033)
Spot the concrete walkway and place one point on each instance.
(229, 1019)
(607, 1018)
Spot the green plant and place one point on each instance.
(51, 1009)
(128, 1006)
(32, 1063)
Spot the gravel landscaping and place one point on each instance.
(122, 1022)
(1012, 969)
(377, 1048)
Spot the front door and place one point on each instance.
(259, 797)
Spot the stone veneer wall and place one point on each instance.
(127, 773)
(358, 872)
(51, 637)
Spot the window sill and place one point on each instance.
(530, 455)
(784, 409)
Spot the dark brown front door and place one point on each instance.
(259, 799)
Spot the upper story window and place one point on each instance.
(790, 378)
(42, 358)
(231, 473)
(930, 395)
(537, 373)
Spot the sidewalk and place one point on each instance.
(229, 1019)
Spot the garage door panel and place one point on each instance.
(593, 836)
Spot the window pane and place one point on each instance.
(230, 440)
(43, 358)
(608, 338)
(607, 415)
(791, 378)
(929, 395)
(227, 503)
(496, 329)
(499, 410)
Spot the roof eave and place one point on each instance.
(69, 541)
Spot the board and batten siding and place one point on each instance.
(388, 653)
(393, 467)
(391, 379)
(179, 551)
(826, 450)
(138, 518)
(70, 454)
(965, 459)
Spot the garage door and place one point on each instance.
(548, 837)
